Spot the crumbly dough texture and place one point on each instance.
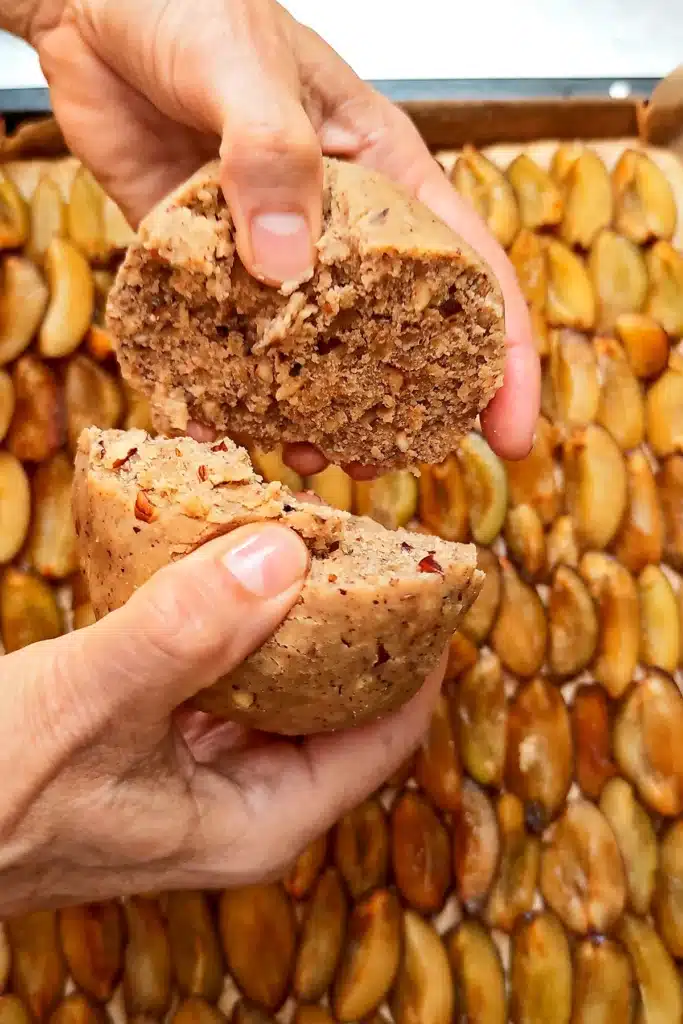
(385, 355)
(377, 606)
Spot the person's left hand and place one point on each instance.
(110, 787)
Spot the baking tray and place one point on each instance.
(22, 102)
(450, 112)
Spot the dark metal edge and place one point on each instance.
(37, 101)
(514, 88)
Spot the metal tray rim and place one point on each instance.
(37, 100)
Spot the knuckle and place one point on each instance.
(178, 616)
(284, 145)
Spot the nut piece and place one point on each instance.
(478, 974)
(196, 1010)
(475, 845)
(665, 299)
(92, 940)
(572, 388)
(602, 983)
(525, 540)
(538, 197)
(117, 231)
(371, 956)
(93, 398)
(619, 275)
(259, 917)
(23, 300)
(271, 467)
(72, 300)
(322, 936)
(572, 624)
(586, 190)
(540, 972)
(669, 896)
(304, 872)
(646, 343)
(528, 258)
(437, 767)
(582, 876)
(420, 853)
(83, 615)
(390, 499)
(312, 1014)
(539, 331)
(28, 610)
(594, 765)
(47, 217)
(480, 708)
(99, 341)
(486, 487)
(514, 887)
(462, 655)
(361, 848)
(644, 204)
(593, 467)
(485, 188)
(85, 216)
(52, 548)
(539, 762)
(660, 642)
(38, 972)
(519, 635)
(147, 963)
(670, 489)
(533, 480)
(443, 500)
(333, 486)
(6, 402)
(636, 840)
(15, 506)
(659, 984)
(561, 545)
(664, 412)
(614, 591)
(77, 1009)
(13, 215)
(480, 616)
(13, 1011)
(621, 410)
(138, 414)
(647, 743)
(196, 954)
(641, 535)
(424, 986)
(571, 299)
(37, 428)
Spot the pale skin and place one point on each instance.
(109, 785)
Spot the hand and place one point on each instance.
(108, 789)
(146, 92)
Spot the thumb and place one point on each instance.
(272, 177)
(192, 622)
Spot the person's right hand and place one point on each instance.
(145, 92)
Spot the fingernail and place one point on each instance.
(282, 247)
(268, 562)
